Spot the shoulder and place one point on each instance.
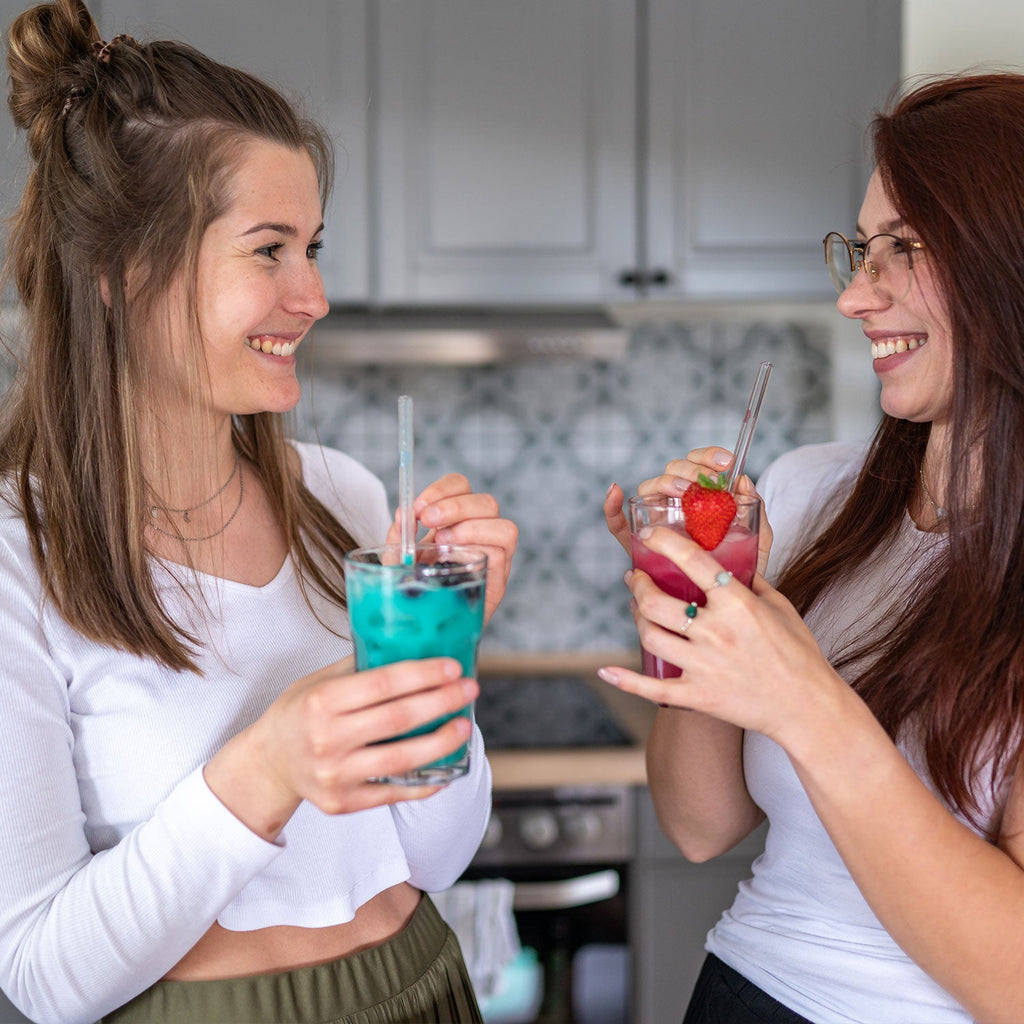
(351, 491)
(804, 473)
(796, 487)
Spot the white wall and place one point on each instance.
(953, 35)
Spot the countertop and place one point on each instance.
(541, 768)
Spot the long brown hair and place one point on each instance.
(132, 148)
(950, 155)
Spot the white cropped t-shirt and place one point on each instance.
(115, 857)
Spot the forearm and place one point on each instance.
(695, 777)
(951, 900)
(81, 937)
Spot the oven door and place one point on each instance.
(567, 853)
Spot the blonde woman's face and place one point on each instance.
(258, 290)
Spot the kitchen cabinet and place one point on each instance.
(673, 906)
(315, 51)
(598, 150)
(577, 152)
(506, 155)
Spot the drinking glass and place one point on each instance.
(431, 607)
(737, 553)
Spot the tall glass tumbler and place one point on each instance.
(737, 552)
(431, 608)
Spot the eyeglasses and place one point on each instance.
(887, 260)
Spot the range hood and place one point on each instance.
(463, 336)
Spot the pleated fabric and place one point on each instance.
(418, 977)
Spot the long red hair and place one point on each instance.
(950, 154)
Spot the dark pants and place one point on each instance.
(724, 996)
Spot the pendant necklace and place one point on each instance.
(940, 512)
(186, 513)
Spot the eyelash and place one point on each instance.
(312, 250)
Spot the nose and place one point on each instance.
(305, 293)
(861, 298)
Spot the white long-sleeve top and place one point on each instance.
(115, 857)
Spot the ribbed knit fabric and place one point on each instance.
(114, 855)
(800, 928)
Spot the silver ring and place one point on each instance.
(722, 578)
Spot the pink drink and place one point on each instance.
(737, 553)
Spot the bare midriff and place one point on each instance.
(227, 954)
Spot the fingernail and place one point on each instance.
(608, 493)
(609, 675)
(645, 532)
(627, 576)
(680, 484)
(721, 459)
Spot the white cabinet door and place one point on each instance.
(315, 51)
(757, 115)
(506, 150)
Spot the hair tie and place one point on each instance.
(101, 50)
(76, 92)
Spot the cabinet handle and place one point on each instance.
(645, 279)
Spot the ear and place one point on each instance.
(105, 290)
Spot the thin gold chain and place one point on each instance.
(220, 530)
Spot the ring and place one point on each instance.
(691, 614)
(722, 578)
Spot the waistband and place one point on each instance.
(418, 975)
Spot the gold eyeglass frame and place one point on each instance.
(856, 252)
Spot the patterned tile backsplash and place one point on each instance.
(547, 437)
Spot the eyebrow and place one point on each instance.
(284, 229)
(887, 229)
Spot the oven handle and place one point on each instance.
(565, 893)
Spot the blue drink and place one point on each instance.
(432, 608)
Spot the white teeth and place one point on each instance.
(278, 348)
(890, 346)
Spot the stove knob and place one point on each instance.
(493, 834)
(538, 830)
(582, 826)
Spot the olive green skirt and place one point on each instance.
(418, 977)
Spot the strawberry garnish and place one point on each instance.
(709, 509)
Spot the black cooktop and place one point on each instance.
(521, 712)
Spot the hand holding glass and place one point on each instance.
(737, 553)
(431, 608)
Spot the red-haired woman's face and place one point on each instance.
(911, 341)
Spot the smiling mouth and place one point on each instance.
(271, 346)
(891, 346)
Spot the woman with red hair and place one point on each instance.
(870, 704)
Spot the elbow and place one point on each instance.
(698, 849)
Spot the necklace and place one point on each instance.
(940, 512)
(185, 513)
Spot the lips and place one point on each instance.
(882, 348)
(272, 345)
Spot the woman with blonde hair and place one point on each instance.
(189, 830)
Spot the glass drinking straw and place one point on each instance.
(407, 520)
(747, 428)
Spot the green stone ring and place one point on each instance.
(691, 610)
